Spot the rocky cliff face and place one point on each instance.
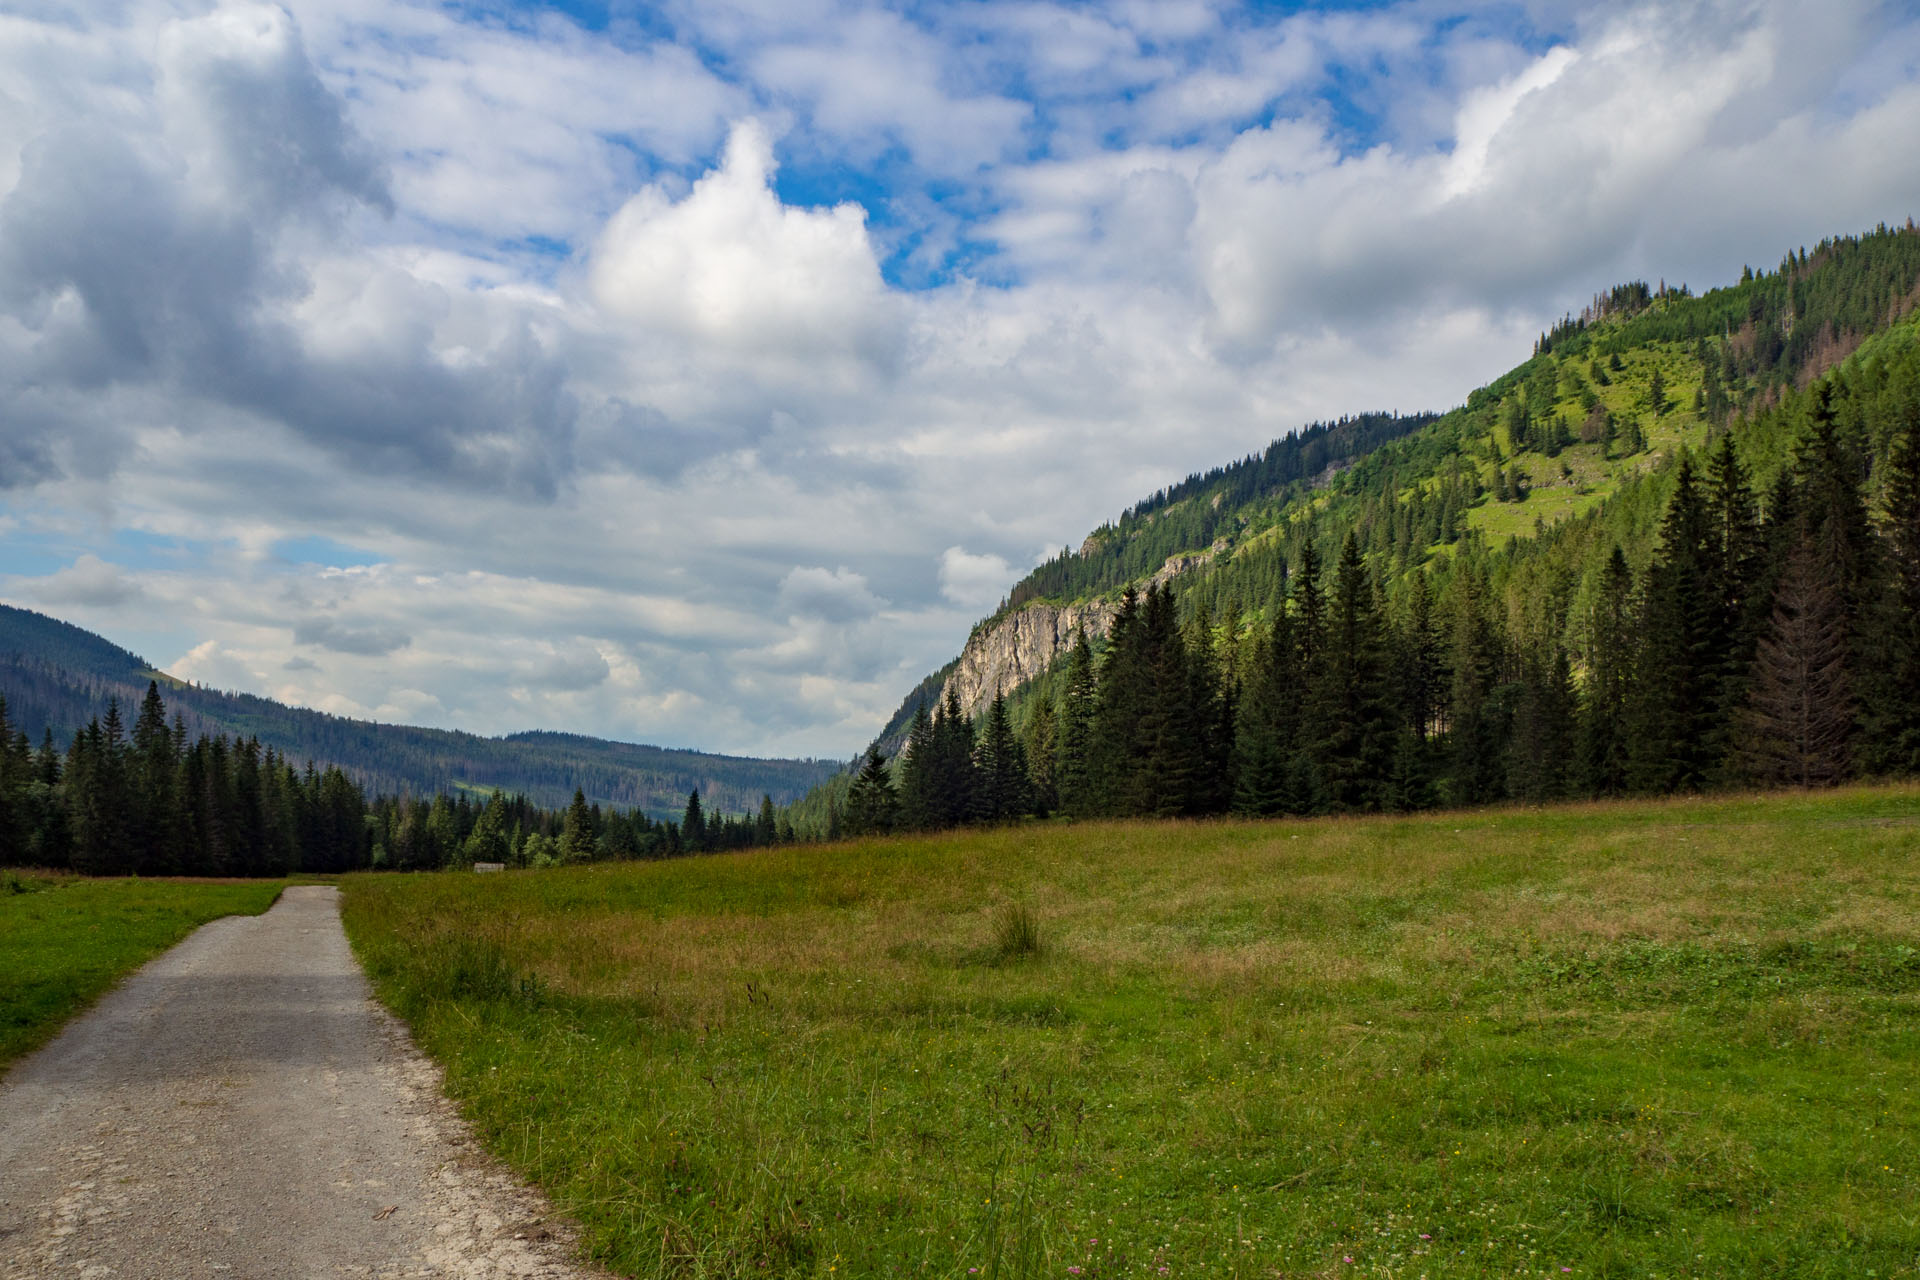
(1022, 645)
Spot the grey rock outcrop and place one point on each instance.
(1022, 645)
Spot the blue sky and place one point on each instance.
(697, 373)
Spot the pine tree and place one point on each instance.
(155, 766)
(1478, 716)
(1542, 749)
(1267, 728)
(1676, 690)
(490, 840)
(765, 829)
(693, 824)
(1122, 733)
(1001, 766)
(1799, 717)
(577, 834)
(1174, 732)
(1610, 639)
(1043, 755)
(920, 802)
(1351, 715)
(99, 797)
(1736, 566)
(872, 807)
(1078, 703)
(1893, 702)
(1211, 696)
(956, 780)
(1828, 474)
(1419, 661)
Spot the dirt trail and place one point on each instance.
(241, 1109)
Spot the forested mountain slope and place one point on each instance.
(1488, 534)
(57, 677)
(1583, 432)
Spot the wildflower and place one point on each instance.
(1073, 1271)
(1425, 1236)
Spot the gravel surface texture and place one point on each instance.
(241, 1108)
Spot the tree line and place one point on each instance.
(1773, 639)
(155, 802)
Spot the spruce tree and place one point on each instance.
(1676, 692)
(1266, 729)
(1892, 706)
(1611, 643)
(872, 806)
(156, 766)
(957, 781)
(1799, 715)
(1043, 755)
(1478, 715)
(1001, 767)
(919, 801)
(1078, 703)
(1541, 754)
(1351, 716)
(1828, 475)
(1122, 735)
(1419, 661)
(577, 835)
(1736, 575)
(1211, 697)
(1173, 733)
(490, 840)
(693, 824)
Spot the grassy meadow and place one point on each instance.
(65, 940)
(1646, 1039)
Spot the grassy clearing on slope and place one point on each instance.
(65, 940)
(1637, 1039)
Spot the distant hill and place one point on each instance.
(57, 676)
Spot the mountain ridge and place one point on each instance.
(56, 677)
(1600, 410)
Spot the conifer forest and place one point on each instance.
(1741, 611)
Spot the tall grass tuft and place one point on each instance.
(1016, 933)
(468, 968)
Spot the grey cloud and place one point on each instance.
(89, 582)
(175, 249)
(244, 93)
(366, 642)
(298, 663)
(645, 441)
(840, 595)
(572, 672)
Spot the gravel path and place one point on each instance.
(242, 1109)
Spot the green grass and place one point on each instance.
(64, 941)
(1651, 1039)
(1596, 477)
